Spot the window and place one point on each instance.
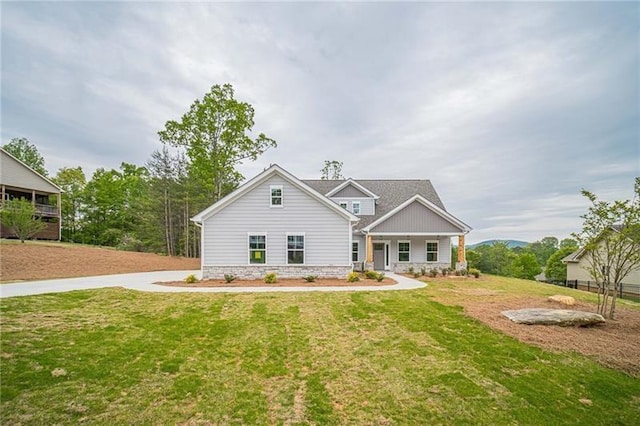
(356, 207)
(343, 205)
(295, 249)
(276, 195)
(404, 250)
(354, 251)
(257, 249)
(432, 251)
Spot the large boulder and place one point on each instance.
(565, 300)
(563, 317)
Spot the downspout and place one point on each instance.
(200, 225)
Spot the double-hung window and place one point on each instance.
(354, 251)
(276, 195)
(295, 249)
(404, 251)
(432, 251)
(355, 206)
(257, 249)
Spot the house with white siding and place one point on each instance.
(278, 223)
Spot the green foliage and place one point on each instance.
(130, 243)
(214, 133)
(332, 170)
(445, 271)
(271, 278)
(353, 277)
(555, 270)
(525, 266)
(473, 258)
(543, 249)
(423, 271)
(411, 269)
(26, 152)
(495, 258)
(380, 277)
(611, 238)
(72, 181)
(20, 217)
(229, 278)
(310, 278)
(433, 272)
(191, 279)
(475, 272)
(370, 275)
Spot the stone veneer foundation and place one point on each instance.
(257, 272)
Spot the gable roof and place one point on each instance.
(576, 255)
(274, 169)
(420, 199)
(391, 192)
(353, 183)
(46, 185)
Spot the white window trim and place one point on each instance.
(276, 206)
(437, 251)
(398, 251)
(266, 247)
(353, 207)
(357, 251)
(304, 248)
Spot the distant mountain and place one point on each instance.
(510, 243)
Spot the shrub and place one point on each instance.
(130, 243)
(191, 279)
(475, 272)
(416, 274)
(310, 278)
(463, 272)
(271, 278)
(353, 277)
(380, 277)
(433, 272)
(411, 269)
(229, 278)
(445, 271)
(423, 271)
(370, 275)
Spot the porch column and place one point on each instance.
(462, 257)
(2, 199)
(33, 197)
(369, 249)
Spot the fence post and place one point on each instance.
(620, 291)
(589, 286)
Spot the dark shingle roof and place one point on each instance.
(392, 193)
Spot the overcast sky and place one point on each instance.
(509, 108)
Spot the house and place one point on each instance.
(17, 180)
(278, 223)
(578, 265)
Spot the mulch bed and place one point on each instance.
(283, 282)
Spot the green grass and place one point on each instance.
(123, 357)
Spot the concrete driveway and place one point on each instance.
(143, 281)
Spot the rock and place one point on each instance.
(565, 300)
(561, 317)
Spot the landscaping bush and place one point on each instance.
(411, 269)
(370, 275)
(310, 278)
(423, 271)
(271, 278)
(380, 277)
(229, 278)
(191, 279)
(353, 277)
(416, 275)
(433, 272)
(445, 271)
(475, 272)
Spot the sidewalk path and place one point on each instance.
(143, 281)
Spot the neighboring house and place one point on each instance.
(17, 180)
(578, 267)
(278, 223)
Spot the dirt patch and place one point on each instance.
(614, 344)
(284, 282)
(34, 261)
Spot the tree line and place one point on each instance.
(526, 262)
(148, 207)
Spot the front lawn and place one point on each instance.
(116, 356)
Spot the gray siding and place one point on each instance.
(225, 234)
(367, 205)
(16, 175)
(350, 191)
(416, 218)
(361, 247)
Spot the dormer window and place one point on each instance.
(276, 195)
(355, 206)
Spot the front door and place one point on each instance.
(378, 256)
